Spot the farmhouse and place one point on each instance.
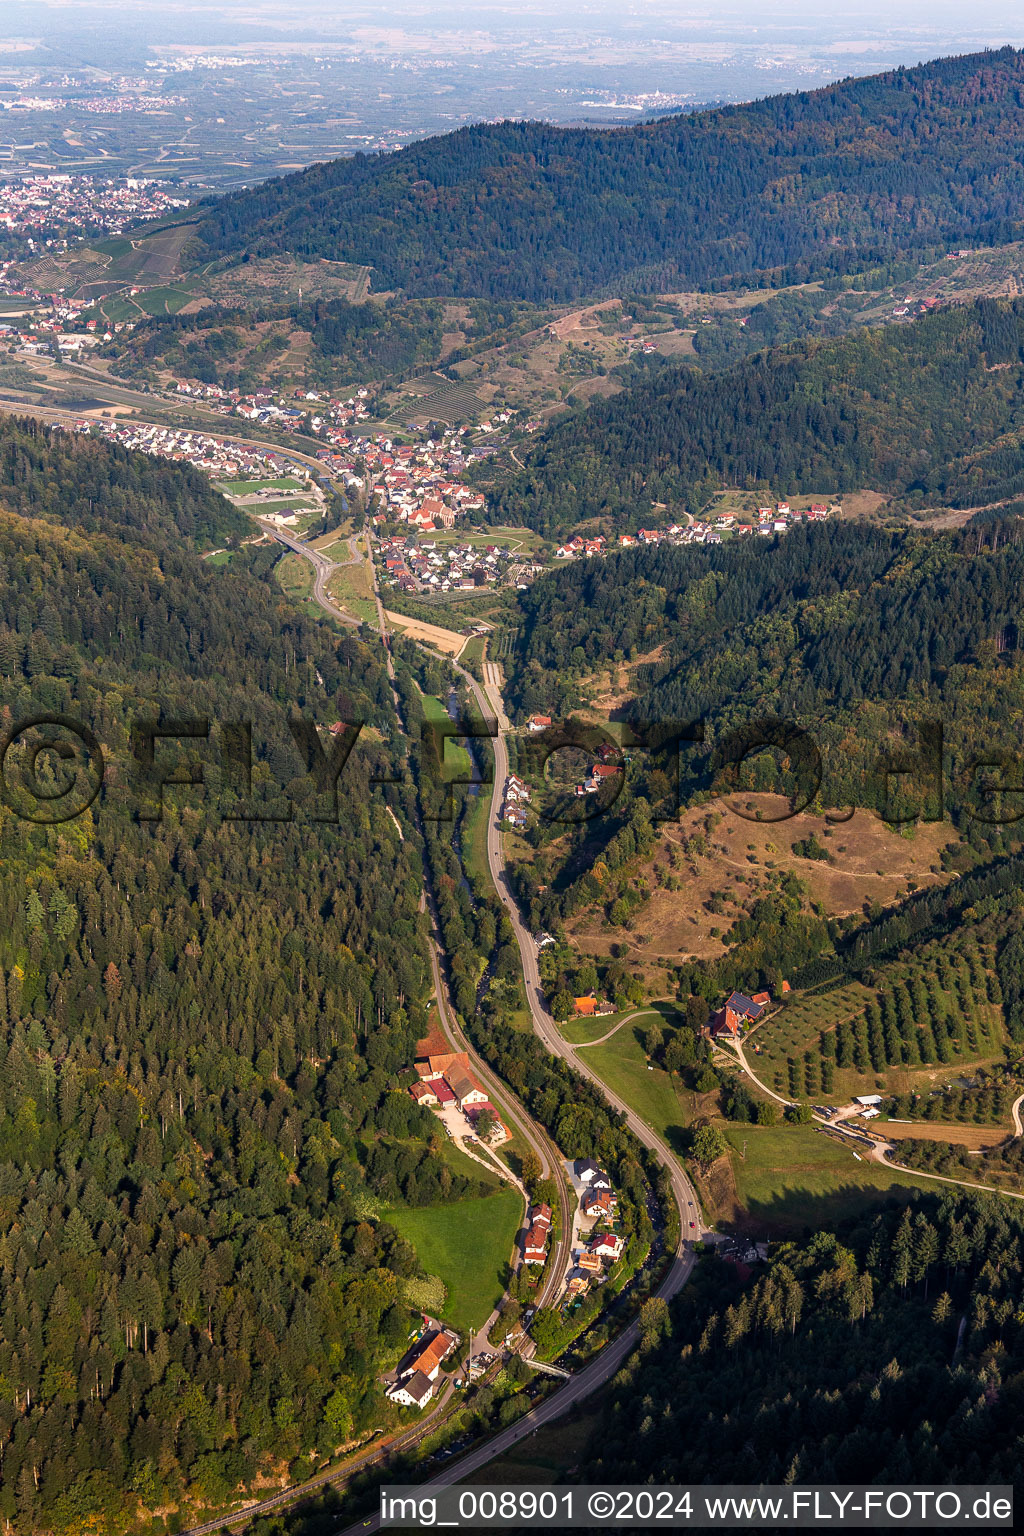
(738, 1012)
(415, 1392)
(426, 1355)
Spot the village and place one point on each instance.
(51, 212)
(212, 455)
(714, 529)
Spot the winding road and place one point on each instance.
(603, 1367)
(323, 569)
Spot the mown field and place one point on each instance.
(621, 1063)
(792, 1177)
(468, 1244)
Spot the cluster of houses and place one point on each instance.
(598, 1204)
(419, 482)
(740, 1011)
(446, 1082)
(54, 206)
(423, 566)
(769, 521)
(318, 414)
(578, 548)
(517, 798)
(221, 460)
(417, 1372)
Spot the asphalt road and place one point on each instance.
(491, 706)
(323, 568)
(603, 1367)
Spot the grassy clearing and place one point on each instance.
(473, 654)
(337, 547)
(795, 1176)
(694, 897)
(457, 762)
(295, 577)
(220, 558)
(621, 1063)
(468, 1244)
(352, 588)
(474, 836)
(583, 1031)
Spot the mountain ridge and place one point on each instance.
(822, 180)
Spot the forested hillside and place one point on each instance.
(816, 181)
(201, 1022)
(857, 635)
(840, 1364)
(238, 348)
(930, 412)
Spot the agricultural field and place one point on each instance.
(436, 398)
(163, 300)
(150, 259)
(780, 1180)
(433, 634)
(468, 1244)
(923, 1023)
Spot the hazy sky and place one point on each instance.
(931, 17)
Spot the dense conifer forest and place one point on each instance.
(929, 412)
(907, 161)
(843, 1362)
(202, 1021)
